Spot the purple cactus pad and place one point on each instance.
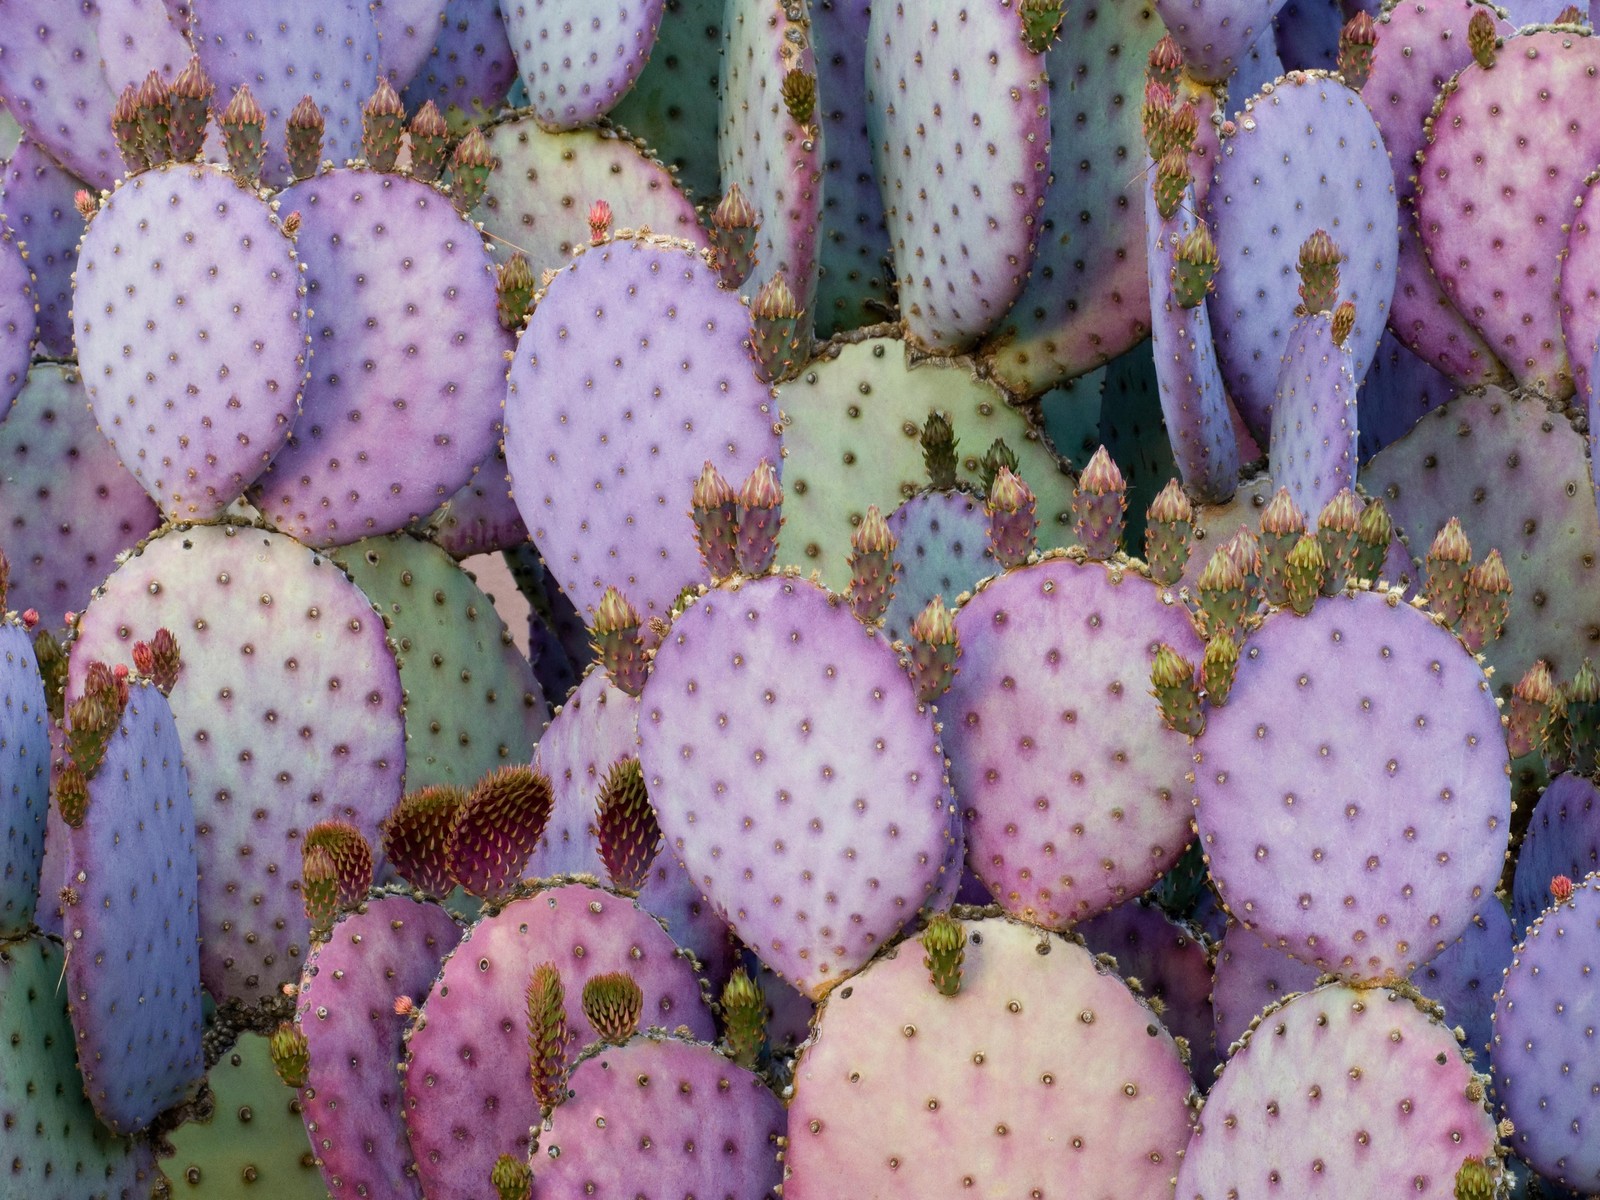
(1249, 978)
(50, 80)
(18, 325)
(1563, 838)
(139, 36)
(1215, 35)
(1464, 977)
(24, 777)
(36, 197)
(1399, 390)
(943, 550)
(470, 67)
(1314, 419)
(406, 33)
(577, 59)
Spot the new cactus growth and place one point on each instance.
(130, 137)
(548, 1036)
(514, 291)
(511, 1179)
(760, 516)
(734, 225)
(244, 130)
(1218, 667)
(1041, 21)
(1357, 40)
(190, 98)
(935, 649)
(1483, 38)
(1449, 564)
(430, 140)
(1303, 574)
(469, 170)
(291, 1054)
(1166, 533)
(872, 567)
(1098, 506)
(1173, 684)
(613, 1003)
(155, 119)
(302, 138)
(625, 822)
(775, 328)
(416, 837)
(1319, 273)
(944, 944)
(1013, 526)
(939, 444)
(382, 123)
(1196, 266)
(716, 516)
(619, 643)
(744, 1017)
(496, 829)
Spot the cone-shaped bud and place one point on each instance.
(1357, 40)
(416, 837)
(944, 945)
(190, 100)
(126, 131)
(1166, 61)
(430, 142)
(625, 826)
(1012, 524)
(800, 95)
(1245, 550)
(613, 1004)
(1185, 126)
(302, 138)
(144, 659)
(547, 1036)
(319, 887)
(72, 795)
(939, 451)
(734, 224)
(469, 170)
(1167, 526)
(1098, 506)
(1041, 21)
(1155, 118)
(1449, 563)
(1303, 572)
(383, 119)
(1583, 718)
(760, 516)
(1474, 1181)
(934, 650)
(1344, 320)
(1570, 15)
(873, 568)
(30, 617)
(352, 859)
(744, 1017)
(511, 1178)
(86, 202)
(1336, 530)
(599, 222)
(92, 719)
(514, 292)
(1218, 668)
(618, 643)
(498, 828)
(1171, 182)
(1374, 532)
(1488, 602)
(52, 660)
(775, 329)
(244, 133)
(1173, 685)
(155, 119)
(1532, 711)
(166, 661)
(1282, 525)
(716, 522)
(120, 673)
(291, 1054)
(1561, 889)
(1196, 266)
(1481, 38)
(1319, 273)
(1221, 595)
(998, 455)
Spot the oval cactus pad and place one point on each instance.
(578, 58)
(24, 777)
(36, 197)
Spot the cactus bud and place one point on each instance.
(1041, 21)
(1218, 668)
(998, 455)
(302, 138)
(92, 719)
(319, 887)
(547, 1036)
(1303, 573)
(1374, 532)
(1282, 525)
(497, 828)
(1487, 604)
(744, 1016)
(1336, 531)
(1155, 118)
(514, 292)
(155, 119)
(599, 222)
(290, 1053)
(511, 1178)
(800, 95)
(469, 170)
(72, 795)
(1482, 39)
(1583, 718)
(352, 859)
(1357, 40)
(775, 329)
(430, 139)
(1319, 274)
(944, 943)
(126, 131)
(1570, 15)
(1098, 506)
(416, 837)
(52, 660)
(734, 225)
(1172, 683)
(1012, 523)
(625, 826)
(1166, 61)
(1167, 526)
(760, 517)
(715, 511)
(383, 119)
(934, 650)
(939, 451)
(873, 568)
(1561, 889)
(1184, 126)
(244, 133)
(1221, 595)
(1473, 1181)
(1449, 562)
(86, 203)
(1344, 320)
(613, 1004)
(1196, 266)
(1532, 711)
(1171, 182)
(618, 642)
(30, 616)
(1245, 550)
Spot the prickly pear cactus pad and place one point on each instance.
(596, 726)
(1341, 1092)
(1249, 978)
(252, 1143)
(1314, 418)
(282, 50)
(1272, 189)
(55, 1147)
(133, 977)
(391, 948)
(853, 419)
(70, 507)
(191, 334)
(472, 703)
(36, 198)
(405, 391)
(1042, 1074)
(771, 145)
(470, 67)
(18, 324)
(578, 60)
(1464, 977)
(1515, 474)
(1580, 286)
(962, 212)
(1518, 233)
(406, 31)
(24, 777)
(632, 374)
(1546, 1071)
(1563, 838)
(539, 196)
(51, 82)
(845, 824)
(1399, 390)
(467, 1093)
(1216, 35)
(481, 518)
(1354, 795)
(943, 551)
(138, 36)
(673, 1112)
(289, 706)
(1070, 780)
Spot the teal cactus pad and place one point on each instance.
(70, 507)
(25, 772)
(290, 709)
(470, 68)
(36, 198)
(231, 308)
(1515, 474)
(539, 197)
(787, 756)
(1314, 418)
(578, 59)
(18, 324)
(1216, 35)
(404, 396)
(467, 1093)
(55, 1148)
(1043, 1074)
(1475, 245)
(943, 551)
(133, 977)
(1072, 785)
(776, 161)
(1085, 301)
(853, 418)
(963, 211)
(472, 703)
(52, 84)
(253, 1143)
(1298, 1106)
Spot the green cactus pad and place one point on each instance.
(673, 103)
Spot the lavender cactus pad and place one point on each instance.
(481, 518)
(139, 36)
(406, 31)
(197, 382)
(1563, 838)
(1580, 287)
(847, 819)
(943, 550)
(392, 947)
(677, 389)
(404, 397)
(467, 1093)
(51, 82)
(577, 60)
(18, 325)
(1070, 780)
(1251, 977)
(25, 770)
(1464, 977)
(470, 67)
(1353, 795)
(1314, 418)
(1215, 35)
(36, 197)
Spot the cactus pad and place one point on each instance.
(36, 197)
(52, 84)
(674, 104)
(25, 770)
(470, 67)
(943, 550)
(18, 325)
(1464, 977)
(578, 60)
(1216, 35)
(1563, 838)
(1314, 418)
(1249, 978)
